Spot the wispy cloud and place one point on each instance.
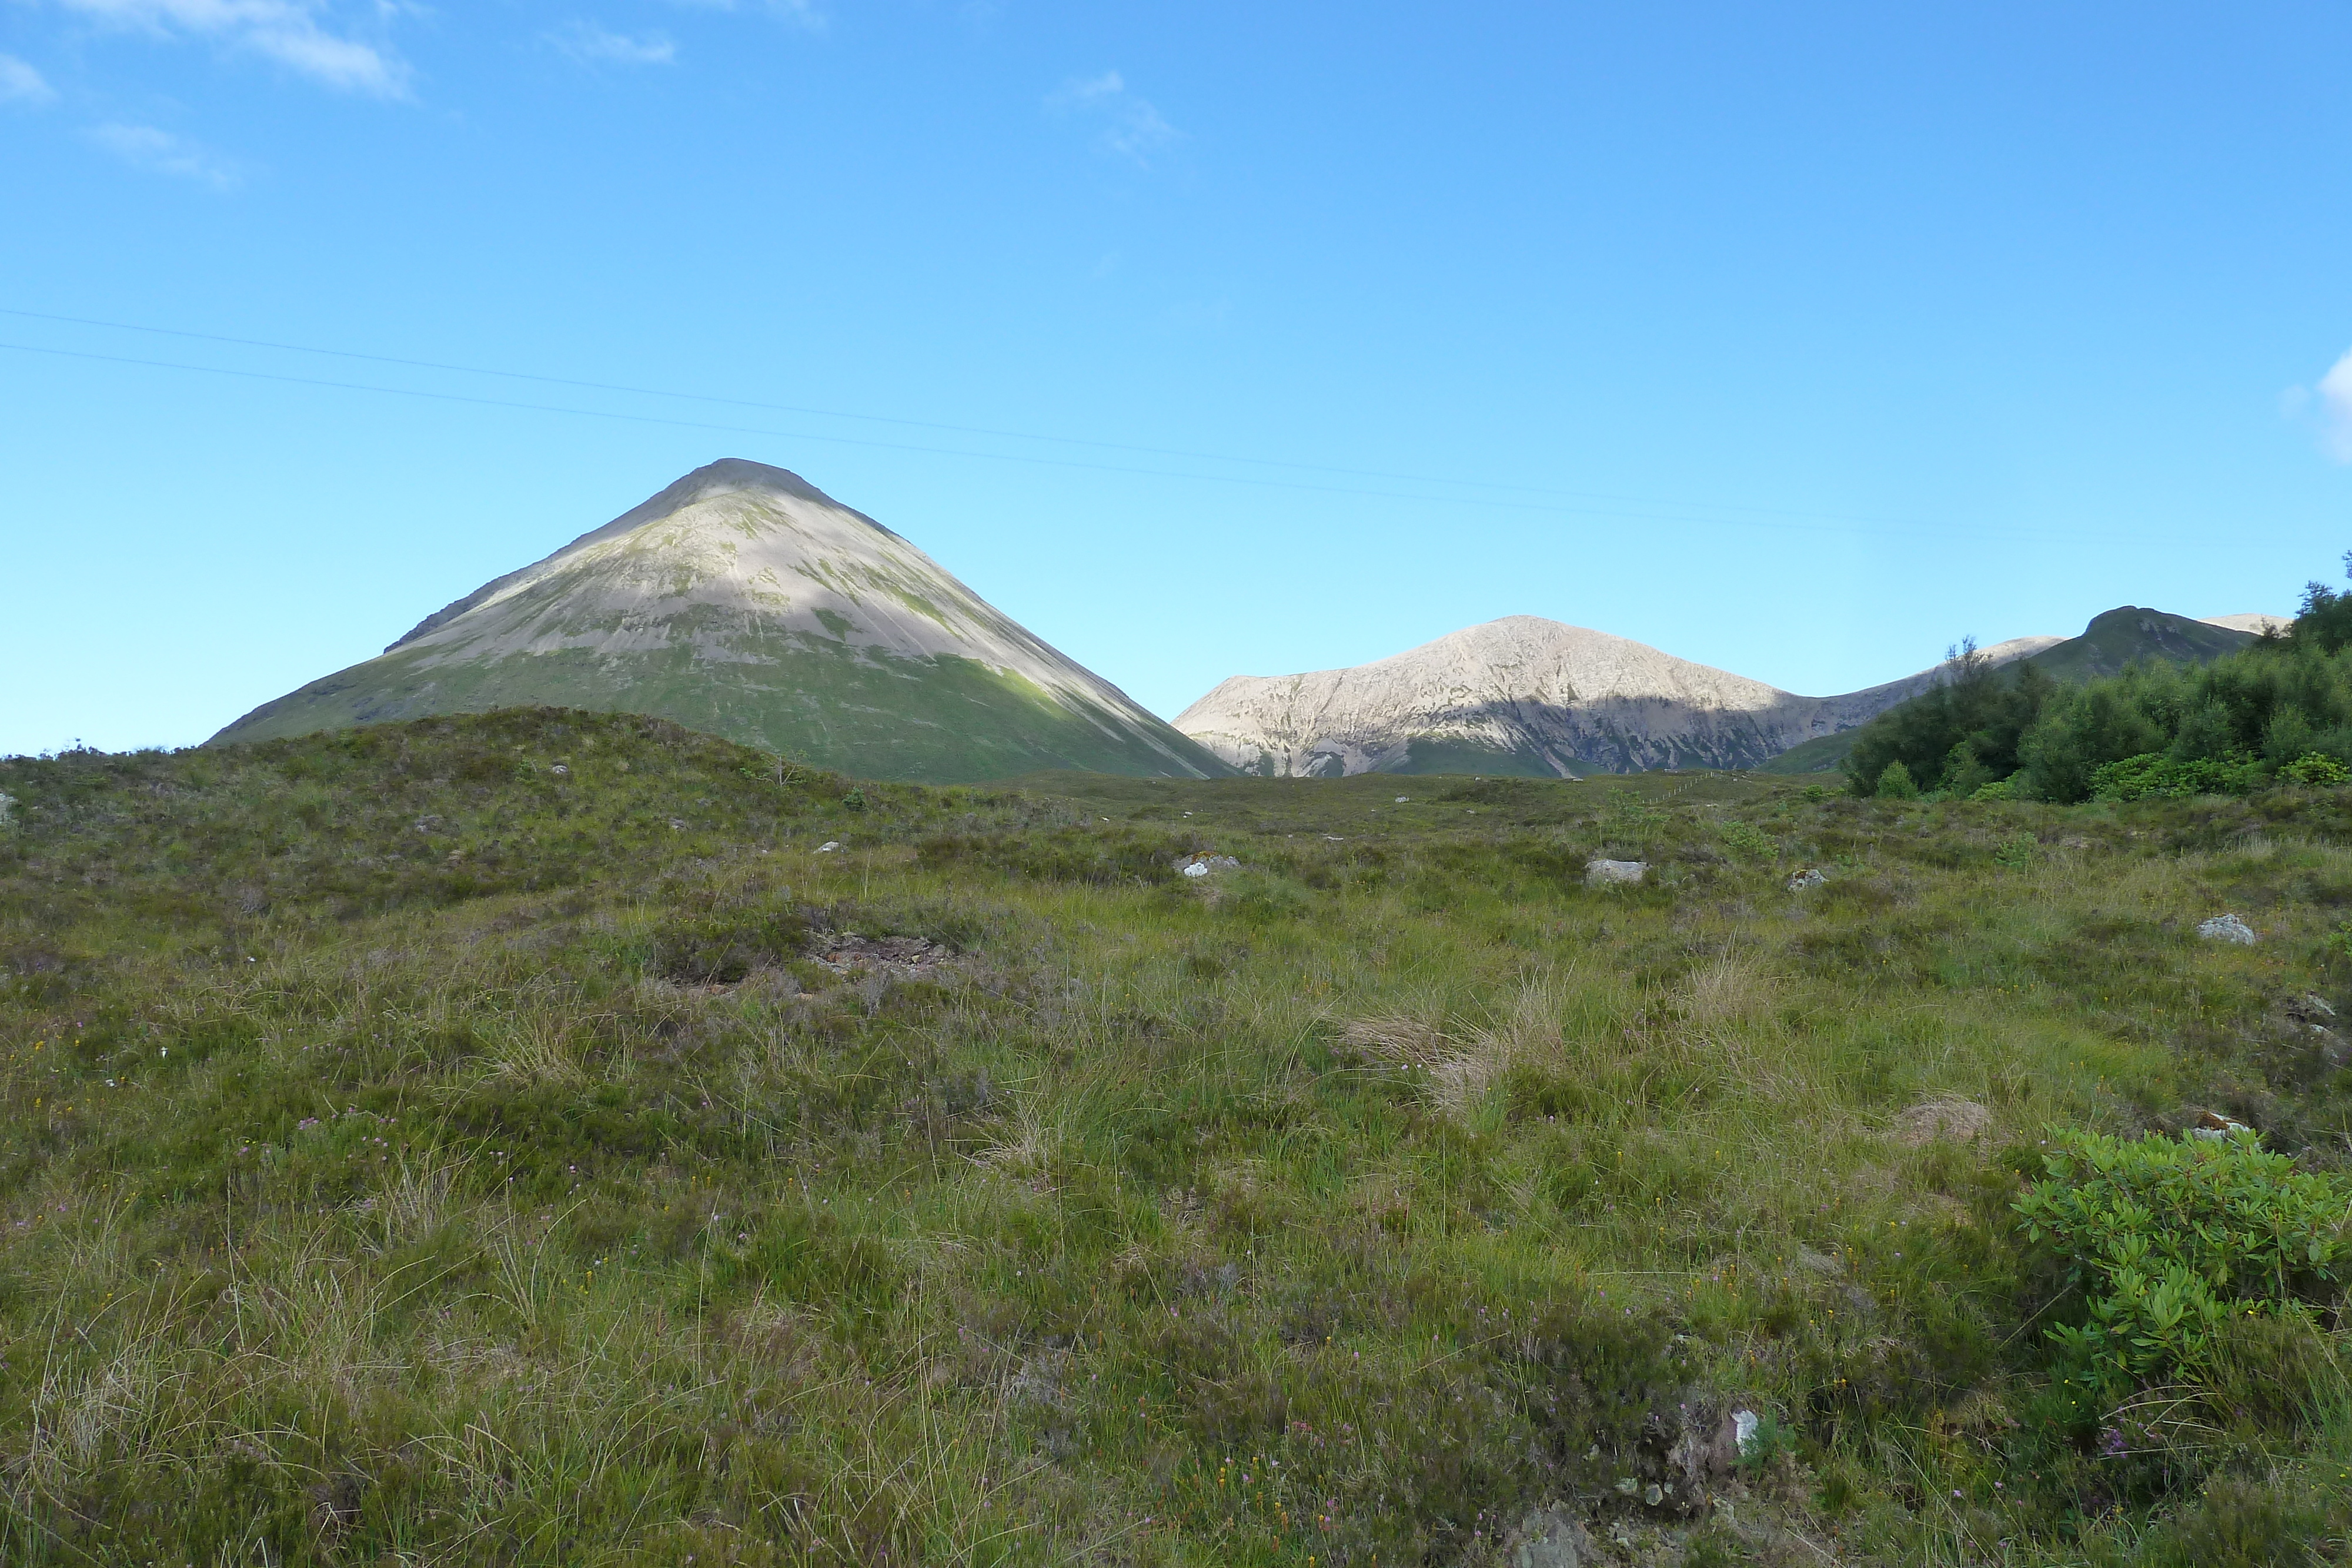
(20, 83)
(1128, 125)
(145, 147)
(594, 46)
(290, 32)
(804, 14)
(2335, 390)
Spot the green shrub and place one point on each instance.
(2164, 1239)
(1895, 783)
(2317, 769)
(2250, 1521)
(1998, 790)
(1747, 839)
(2152, 775)
(722, 948)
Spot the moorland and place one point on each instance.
(544, 1137)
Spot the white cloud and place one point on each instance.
(287, 31)
(144, 147)
(2335, 390)
(591, 45)
(20, 83)
(1130, 126)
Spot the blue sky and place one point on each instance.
(1798, 340)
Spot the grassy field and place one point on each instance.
(517, 1139)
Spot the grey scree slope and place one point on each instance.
(745, 602)
(1528, 696)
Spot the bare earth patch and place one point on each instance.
(1964, 1121)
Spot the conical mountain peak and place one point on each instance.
(744, 601)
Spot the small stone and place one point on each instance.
(2212, 1127)
(1806, 878)
(1607, 873)
(1550, 1537)
(827, 847)
(2226, 928)
(560, 771)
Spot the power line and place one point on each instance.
(1611, 499)
(1786, 521)
(909, 446)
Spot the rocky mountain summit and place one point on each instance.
(1524, 695)
(743, 601)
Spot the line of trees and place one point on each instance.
(2278, 710)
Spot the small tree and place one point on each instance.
(1895, 783)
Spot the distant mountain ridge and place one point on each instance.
(1527, 696)
(743, 601)
(1524, 696)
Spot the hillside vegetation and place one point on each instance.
(2278, 709)
(2115, 641)
(520, 1139)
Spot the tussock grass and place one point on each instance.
(545, 1203)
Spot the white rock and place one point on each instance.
(1806, 878)
(1549, 1537)
(1603, 872)
(827, 847)
(2226, 928)
(7, 805)
(1743, 1431)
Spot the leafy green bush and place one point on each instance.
(1747, 839)
(1895, 783)
(2317, 769)
(2166, 1238)
(2152, 775)
(1998, 790)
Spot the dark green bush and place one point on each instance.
(720, 949)
(2154, 775)
(2164, 1239)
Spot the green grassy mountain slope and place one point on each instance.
(2125, 636)
(2114, 640)
(548, 1138)
(743, 601)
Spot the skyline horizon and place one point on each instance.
(1223, 341)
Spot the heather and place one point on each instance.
(519, 1138)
